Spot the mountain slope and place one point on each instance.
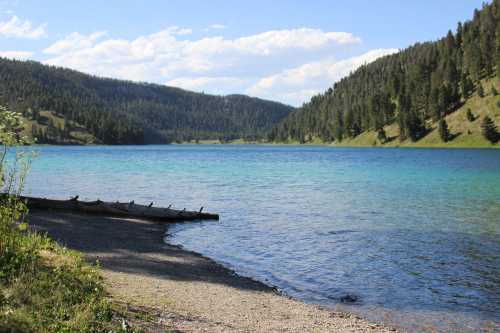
(408, 93)
(120, 112)
(464, 132)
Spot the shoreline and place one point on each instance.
(184, 290)
(283, 144)
(232, 272)
(331, 145)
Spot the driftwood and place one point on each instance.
(117, 209)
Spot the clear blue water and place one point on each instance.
(413, 234)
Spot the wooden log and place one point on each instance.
(131, 210)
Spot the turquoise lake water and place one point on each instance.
(413, 235)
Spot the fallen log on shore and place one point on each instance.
(118, 209)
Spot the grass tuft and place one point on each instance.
(47, 288)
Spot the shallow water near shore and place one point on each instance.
(412, 236)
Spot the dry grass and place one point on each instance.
(467, 134)
(79, 134)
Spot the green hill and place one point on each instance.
(67, 106)
(50, 127)
(464, 133)
(400, 99)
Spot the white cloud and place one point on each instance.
(303, 38)
(74, 42)
(18, 28)
(19, 55)
(6, 6)
(301, 83)
(175, 30)
(287, 65)
(218, 26)
(168, 56)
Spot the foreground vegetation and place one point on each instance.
(43, 287)
(47, 288)
(401, 99)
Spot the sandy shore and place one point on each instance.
(173, 289)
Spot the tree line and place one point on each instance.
(425, 81)
(124, 112)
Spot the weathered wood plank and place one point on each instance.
(118, 209)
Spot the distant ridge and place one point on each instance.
(67, 106)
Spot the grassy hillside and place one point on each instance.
(409, 92)
(50, 127)
(464, 133)
(123, 112)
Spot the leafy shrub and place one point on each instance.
(43, 287)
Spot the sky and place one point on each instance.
(280, 50)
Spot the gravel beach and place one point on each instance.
(176, 290)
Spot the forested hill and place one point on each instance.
(63, 105)
(412, 93)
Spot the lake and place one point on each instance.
(412, 236)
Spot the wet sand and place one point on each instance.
(174, 289)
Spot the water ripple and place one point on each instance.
(407, 236)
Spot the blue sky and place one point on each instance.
(280, 50)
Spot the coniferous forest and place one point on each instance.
(123, 112)
(412, 88)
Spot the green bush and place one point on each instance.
(57, 292)
(43, 287)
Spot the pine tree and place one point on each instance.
(467, 86)
(470, 116)
(494, 91)
(426, 81)
(119, 112)
(434, 104)
(381, 136)
(489, 130)
(459, 34)
(472, 61)
(34, 131)
(415, 126)
(444, 132)
(444, 99)
(497, 50)
(480, 90)
(487, 40)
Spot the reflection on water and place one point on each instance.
(409, 236)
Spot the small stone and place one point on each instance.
(349, 299)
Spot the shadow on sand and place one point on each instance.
(134, 246)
